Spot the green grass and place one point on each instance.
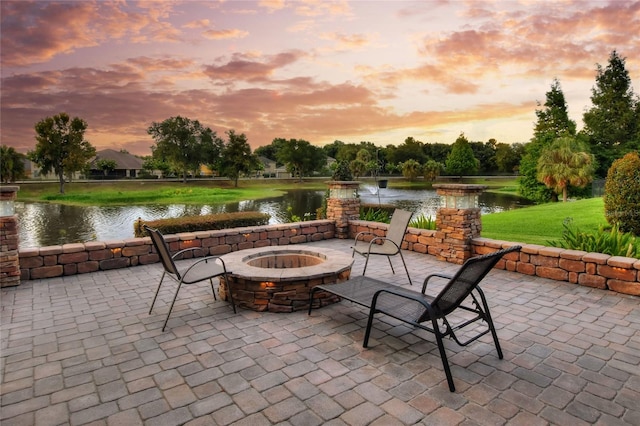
(542, 223)
(132, 192)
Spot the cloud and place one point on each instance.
(224, 34)
(242, 68)
(200, 23)
(36, 32)
(347, 41)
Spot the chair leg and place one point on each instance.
(367, 332)
(157, 291)
(405, 267)
(490, 322)
(443, 355)
(393, 271)
(212, 289)
(171, 307)
(366, 262)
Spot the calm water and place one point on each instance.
(51, 224)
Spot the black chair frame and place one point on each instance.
(426, 312)
(198, 271)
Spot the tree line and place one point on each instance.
(557, 160)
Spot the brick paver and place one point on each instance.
(84, 350)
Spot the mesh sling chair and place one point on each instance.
(433, 314)
(391, 243)
(203, 269)
(426, 312)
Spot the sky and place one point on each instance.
(318, 70)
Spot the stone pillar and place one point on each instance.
(343, 205)
(457, 220)
(9, 261)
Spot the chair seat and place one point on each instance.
(365, 248)
(200, 271)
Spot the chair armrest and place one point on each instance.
(437, 275)
(205, 260)
(408, 295)
(376, 240)
(362, 233)
(181, 252)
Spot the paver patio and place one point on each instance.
(84, 350)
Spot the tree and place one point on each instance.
(362, 164)
(411, 169)
(612, 124)
(150, 164)
(437, 151)
(508, 157)
(431, 170)
(622, 193)
(182, 142)
(61, 146)
(300, 157)
(461, 160)
(409, 149)
(106, 165)
(565, 162)
(485, 153)
(11, 164)
(553, 122)
(237, 158)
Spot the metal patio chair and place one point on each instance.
(443, 315)
(203, 269)
(389, 245)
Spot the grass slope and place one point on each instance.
(541, 223)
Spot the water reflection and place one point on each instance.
(52, 224)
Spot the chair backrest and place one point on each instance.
(398, 226)
(466, 279)
(163, 251)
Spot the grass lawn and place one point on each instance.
(111, 193)
(541, 223)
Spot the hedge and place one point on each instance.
(201, 223)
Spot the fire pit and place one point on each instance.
(279, 279)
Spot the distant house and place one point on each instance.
(127, 165)
(269, 167)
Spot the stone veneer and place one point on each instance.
(615, 273)
(279, 279)
(80, 258)
(9, 259)
(620, 274)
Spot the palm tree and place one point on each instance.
(565, 163)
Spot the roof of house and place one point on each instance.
(123, 160)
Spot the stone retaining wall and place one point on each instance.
(620, 274)
(81, 258)
(616, 273)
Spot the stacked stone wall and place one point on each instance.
(81, 258)
(615, 273)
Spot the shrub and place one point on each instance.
(423, 222)
(375, 215)
(342, 172)
(612, 242)
(202, 223)
(622, 193)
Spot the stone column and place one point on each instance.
(457, 220)
(343, 205)
(9, 261)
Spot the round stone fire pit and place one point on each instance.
(279, 279)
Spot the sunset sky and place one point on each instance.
(377, 71)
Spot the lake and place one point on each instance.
(42, 224)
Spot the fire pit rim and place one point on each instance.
(335, 261)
